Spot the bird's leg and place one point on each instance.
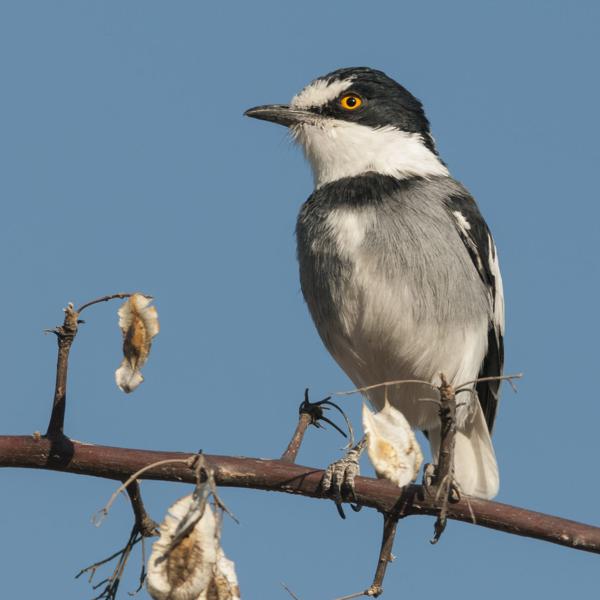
(443, 477)
(311, 413)
(338, 479)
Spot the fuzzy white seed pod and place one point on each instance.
(392, 445)
(183, 572)
(224, 584)
(139, 324)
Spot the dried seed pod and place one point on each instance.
(139, 324)
(392, 445)
(224, 584)
(184, 571)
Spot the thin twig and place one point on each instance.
(143, 527)
(385, 384)
(93, 568)
(509, 378)
(355, 595)
(287, 589)
(106, 299)
(142, 578)
(101, 514)
(112, 583)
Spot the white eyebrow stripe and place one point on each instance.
(320, 92)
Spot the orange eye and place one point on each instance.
(351, 102)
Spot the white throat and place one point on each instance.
(337, 149)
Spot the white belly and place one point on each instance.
(387, 330)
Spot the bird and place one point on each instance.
(397, 265)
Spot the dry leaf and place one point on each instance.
(184, 571)
(392, 445)
(139, 323)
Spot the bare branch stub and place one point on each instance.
(291, 452)
(65, 335)
(146, 525)
(390, 523)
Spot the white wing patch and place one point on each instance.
(499, 291)
(320, 92)
(462, 221)
(465, 227)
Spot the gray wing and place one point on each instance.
(478, 240)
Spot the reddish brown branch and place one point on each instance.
(145, 524)
(390, 523)
(65, 334)
(291, 451)
(275, 475)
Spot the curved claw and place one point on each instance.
(330, 422)
(316, 412)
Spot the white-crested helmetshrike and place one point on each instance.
(397, 266)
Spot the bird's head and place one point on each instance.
(358, 120)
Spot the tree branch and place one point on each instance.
(65, 335)
(275, 475)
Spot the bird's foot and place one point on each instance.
(442, 488)
(443, 478)
(338, 479)
(428, 479)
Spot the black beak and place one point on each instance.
(281, 114)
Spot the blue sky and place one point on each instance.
(127, 165)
